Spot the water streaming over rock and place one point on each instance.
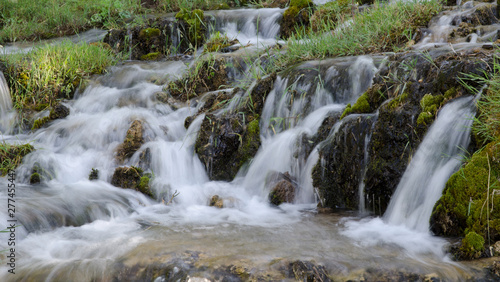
(250, 26)
(436, 159)
(6, 113)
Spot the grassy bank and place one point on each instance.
(47, 74)
(382, 28)
(41, 19)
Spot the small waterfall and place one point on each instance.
(368, 137)
(6, 113)
(249, 26)
(436, 159)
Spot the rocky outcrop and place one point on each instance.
(133, 141)
(297, 15)
(225, 143)
(340, 169)
(59, 111)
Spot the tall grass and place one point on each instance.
(384, 27)
(53, 72)
(487, 123)
(41, 19)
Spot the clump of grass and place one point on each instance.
(487, 124)
(41, 19)
(11, 156)
(328, 15)
(218, 41)
(384, 27)
(49, 73)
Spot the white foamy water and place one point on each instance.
(258, 27)
(73, 229)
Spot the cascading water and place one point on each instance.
(250, 26)
(406, 221)
(436, 159)
(6, 113)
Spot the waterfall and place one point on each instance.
(249, 26)
(6, 113)
(436, 159)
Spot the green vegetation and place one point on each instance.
(54, 72)
(365, 34)
(472, 245)
(218, 41)
(195, 25)
(11, 156)
(327, 16)
(429, 104)
(41, 19)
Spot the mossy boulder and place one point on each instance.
(151, 56)
(429, 104)
(465, 205)
(306, 271)
(225, 143)
(297, 15)
(133, 141)
(35, 178)
(132, 178)
(59, 111)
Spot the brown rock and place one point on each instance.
(132, 142)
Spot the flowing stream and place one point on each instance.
(74, 229)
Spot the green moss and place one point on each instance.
(149, 33)
(301, 3)
(143, 186)
(151, 56)
(35, 178)
(251, 141)
(463, 207)
(425, 118)
(398, 101)
(40, 107)
(217, 42)
(347, 111)
(429, 104)
(450, 93)
(472, 245)
(40, 122)
(430, 100)
(361, 105)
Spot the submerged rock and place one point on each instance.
(283, 190)
(94, 174)
(133, 141)
(306, 271)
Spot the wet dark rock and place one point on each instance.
(133, 141)
(373, 274)
(485, 14)
(59, 111)
(284, 187)
(339, 170)
(145, 159)
(225, 143)
(94, 174)
(132, 178)
(259, 93)
(126, 177)
(495, 270)
(306, 271)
